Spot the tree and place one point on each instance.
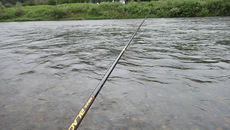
(18, 9)
(12, 1)
(52, 2)
(38, 2)
(29, 2)
(2, 9)
(8, 5)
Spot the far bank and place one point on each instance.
(116, 10)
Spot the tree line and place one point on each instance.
(9, 3)
(112, 10)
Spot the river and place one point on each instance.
(174, 75)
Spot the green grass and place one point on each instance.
(80, 11)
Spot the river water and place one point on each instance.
(174, 75)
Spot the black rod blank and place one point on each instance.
(90, 101)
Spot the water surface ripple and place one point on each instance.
(174, 75)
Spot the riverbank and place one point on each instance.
(84, 11)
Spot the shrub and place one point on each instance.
(108, 10)
(79, 8)
(203, 12)
(59, 12)
(8, 5)
(29, 3)
(94, 11)
(51, 2)
(2, 8)
(175, 12)
(18, 9)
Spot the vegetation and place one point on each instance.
(55, 2)
(18, 11)
(2, 9)
(112, 10)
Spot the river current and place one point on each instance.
(174, 75)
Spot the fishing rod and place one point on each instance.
(93, 96)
